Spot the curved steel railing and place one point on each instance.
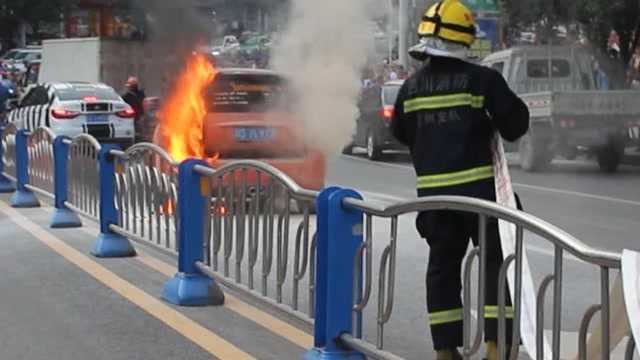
(562, 241)
(9, 150)
(254, 207)
(41, 169)
(83, 175)
(146, 195)
(259, 237)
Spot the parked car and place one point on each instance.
(71, 109)
(18, 63)
(8, 57)
(224, 45)
(375, 111)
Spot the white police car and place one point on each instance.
(75, 108)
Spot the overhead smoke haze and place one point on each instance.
(322, 52)
(174, 30)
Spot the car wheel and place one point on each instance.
(348, 149)
(374, 152)
(571, 153)
(297, 207)
(609, 159)
(534, 154)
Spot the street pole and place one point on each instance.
(390, 30)
(403, 19)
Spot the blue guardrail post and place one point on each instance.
(6, 185)
(189, 287)
(109, 244)
(23, 197)
(339, 237)
(63, 217)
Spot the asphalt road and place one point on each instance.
(602, 210)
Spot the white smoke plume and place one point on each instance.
(322, 52)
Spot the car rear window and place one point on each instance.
(21, 56)
(539, 69)
(390, 94)
(242, 93)
(81, 92)
(10, 55)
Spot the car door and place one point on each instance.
(38, 113)
(33, 112)
(18, 115)
(371, 107)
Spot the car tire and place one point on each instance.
(571, 153)
(534, 154)
(609, 159)
(348, 149)
(297, 207)
(374, 152)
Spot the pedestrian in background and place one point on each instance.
(4, 98)
(134, 96)
(633, 75)
(448, 114)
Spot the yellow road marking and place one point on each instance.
(236, 305)
(190, 329)
(265, 320)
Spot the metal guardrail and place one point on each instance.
(259, 235)
(83, 175)
(41, 169)
(256, 235)
(9, 151)
(147, 195)
(562, 241)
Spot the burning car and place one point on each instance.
(224, 115)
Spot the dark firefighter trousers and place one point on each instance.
(448, 234)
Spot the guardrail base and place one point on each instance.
(64, 218)
(321, 354)
(6, 186)
(192, 290)
(111, 245)
(24, 199)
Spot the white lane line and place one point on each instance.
(524, 186)
(580, 194)
(377, 163)
(369, 195)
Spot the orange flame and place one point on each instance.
(182, 115)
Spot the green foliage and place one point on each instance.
(33, 12)
(595, 17)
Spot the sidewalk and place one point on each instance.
(59, 302)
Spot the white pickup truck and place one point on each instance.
(568, 114)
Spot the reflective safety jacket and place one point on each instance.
(447, 114)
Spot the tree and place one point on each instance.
(34, 13)
(596, 18)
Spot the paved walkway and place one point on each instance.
(59, 302)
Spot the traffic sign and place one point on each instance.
(482, 5)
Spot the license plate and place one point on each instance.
(254, 134)
(100, 118)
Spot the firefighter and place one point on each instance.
(447, 113)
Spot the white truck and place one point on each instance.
(96, 60)
(568, 114)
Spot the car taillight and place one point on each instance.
(387, 113)
(64, 114)
(567, 123)
(128, 113)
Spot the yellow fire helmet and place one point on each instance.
(449, 20)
